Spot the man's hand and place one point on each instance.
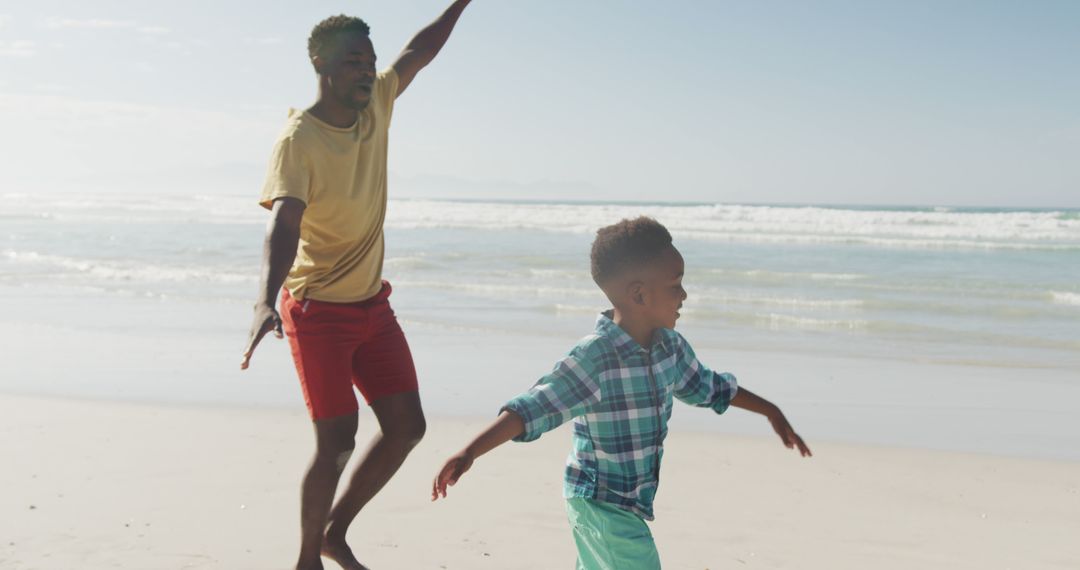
(266, 319)
(455, 467)
(787, 433)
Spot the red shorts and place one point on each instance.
(338, 345)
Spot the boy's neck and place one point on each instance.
(640, 331)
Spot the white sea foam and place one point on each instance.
(763, 275)
(137, 209)
(836, 276)
(935, 228)
(886, 228)
(554, 273)
(124, 271)
(409, 262)
(518, 290)
(783, 321)
(720, 297)
(1065, 298)
(563, 308)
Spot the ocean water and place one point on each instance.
(989, 287)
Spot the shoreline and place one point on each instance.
(187, 353)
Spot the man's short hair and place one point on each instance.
(327, 34)
(629, 243)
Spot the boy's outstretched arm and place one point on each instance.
(506, 427)
(747, 400)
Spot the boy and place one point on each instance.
(618, 384)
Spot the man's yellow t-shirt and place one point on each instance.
(340, 174)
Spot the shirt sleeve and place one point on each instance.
(570, 390)
(700, 386)
(386, 84)
(288, 176)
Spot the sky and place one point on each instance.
(948, 103)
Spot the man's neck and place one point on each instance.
(638, 330)
(333, 114)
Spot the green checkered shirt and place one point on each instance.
(620, 398)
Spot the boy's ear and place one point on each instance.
(635, 291)
(319, 62)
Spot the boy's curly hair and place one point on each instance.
(326, 34)
(627, 243)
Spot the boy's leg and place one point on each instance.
(609, 538)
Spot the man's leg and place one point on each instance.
(321, 341)
(384, 373)
(334, 443)
(401, 426)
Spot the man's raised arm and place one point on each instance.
(426, 44)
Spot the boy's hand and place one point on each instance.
(787, 433)
(506, 427)
(455, 467)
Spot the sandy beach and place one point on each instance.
(92, 484)
(132, 441)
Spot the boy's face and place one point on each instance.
(662, 293)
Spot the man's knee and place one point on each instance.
(337, 448)
(401, 419)
(406, 431)
(334, 453)
(335, 438)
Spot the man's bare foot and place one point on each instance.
(337, 550)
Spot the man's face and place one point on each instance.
(350, 70)
(664, 291)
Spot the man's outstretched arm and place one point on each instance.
(279, 251)
(426, 44)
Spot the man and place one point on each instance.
(326, 189)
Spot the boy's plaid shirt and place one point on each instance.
(620, 397)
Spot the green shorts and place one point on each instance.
(609, 538)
